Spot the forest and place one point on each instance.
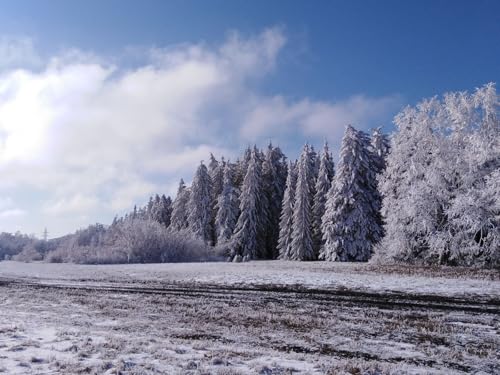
(428, 193)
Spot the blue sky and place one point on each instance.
(105, 102)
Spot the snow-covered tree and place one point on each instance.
(323, 184)
(273, 178)
(165, 210)
(350, 228)
(380, 145)
(179, 218)
(227, 208)
(302, 243)
(216, 172)
(437, 198)
(200, 206)
(286, 218)
(245, 239)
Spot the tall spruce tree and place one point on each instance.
(179, 218)
(350, 227)
(323, 184)
(165, 210)
(200, 205)
(302, 243)
(286, 218)
(274, 178)
(245, 238)
(227, 208)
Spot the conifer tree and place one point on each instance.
(286, 218)
(165, 210)
(350, 227)
(227, 208)
(274, 178)
(323, 184)
(245, 238)
(302, 244)
(200, 206)
(179, 216)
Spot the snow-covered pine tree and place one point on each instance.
(323, 184)
(245, 237)
(274, 179)
(179, 216)
(200, 214)
(165, 210)
(380, 146)
(302, 244)
(216, 172)
(315, 162)
(349, 224)
(241, 167)
(286, 218)
(227, 208)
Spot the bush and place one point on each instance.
(131, 241)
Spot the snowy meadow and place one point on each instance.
(268, 317)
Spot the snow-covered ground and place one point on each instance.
(353, 276)
(46, 330)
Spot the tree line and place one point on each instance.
(429, 194)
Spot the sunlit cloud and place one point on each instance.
(94, 138)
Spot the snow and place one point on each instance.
(243, 332)
(332, 276)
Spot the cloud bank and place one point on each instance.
(82, 139)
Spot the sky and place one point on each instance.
(103, 103)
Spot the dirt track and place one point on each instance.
(286, 294)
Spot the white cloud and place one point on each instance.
(90, 138)
(11, 213)
(17, 51)
(277, 116)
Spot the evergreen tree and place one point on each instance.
(286, 218)
(380, 146)
(227, 208)
(179, 218)
(302, 244)
(165, 210)
(274, 178)
(245, 238)
(323, 184)
(200, 206)
(350, 227)
(216, 172)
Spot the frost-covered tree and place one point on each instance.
(179, 218)
(165, 210)
(408, 208)
(200, 206)
(227, 208)
(437, 199)
(241, 167)
(380, 146)
(350, 228)
(286, 218)
(315, 161)
(273, 178)
(245, 240)
(302, 243)
(323, 184)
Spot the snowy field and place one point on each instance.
(248, 318)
